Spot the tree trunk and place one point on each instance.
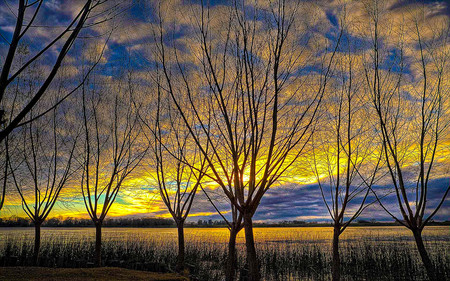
(336, 264)
(37, 242)
(98, 244)
(424, 255)
(230, 272)
(180, 258)
(252, 259)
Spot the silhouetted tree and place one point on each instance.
(254, 116)
(413, 129)
(345, 145)
(178, 164)
(111, 149)
(46, 165)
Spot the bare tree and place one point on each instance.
(27, 17)
(413, 128)
(178, 164)
(46, 166)
(345, 147)
(255, 118)
(111, 151)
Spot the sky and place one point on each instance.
(126, 39)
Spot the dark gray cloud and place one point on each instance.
(304, 202)
(437, 7)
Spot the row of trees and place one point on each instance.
(255, 97)
(81, 222)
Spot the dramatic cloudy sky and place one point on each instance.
(129, 42)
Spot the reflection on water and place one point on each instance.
(220, 235)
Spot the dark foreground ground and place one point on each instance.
(83, 274)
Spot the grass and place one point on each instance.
(284, 254)
(83, 274)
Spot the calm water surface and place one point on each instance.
(220, 235)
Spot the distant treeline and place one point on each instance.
(80, 222)
(357, 223)
(297, 223)
(161, 222)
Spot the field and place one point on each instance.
(83, 274)
(302, 253)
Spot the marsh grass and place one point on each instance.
(284, 254)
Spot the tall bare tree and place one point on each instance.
(111, 149)
(178, 164)
(345, 147)
(253, 112)
(413, 128)
(46, 166)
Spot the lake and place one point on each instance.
(220, 235)
(285, 253)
